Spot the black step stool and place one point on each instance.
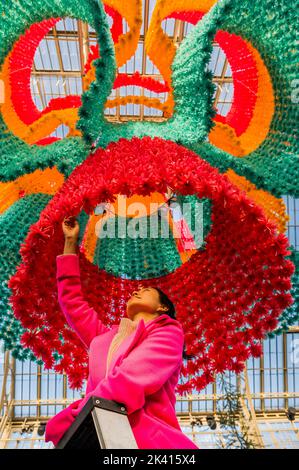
(101, 424)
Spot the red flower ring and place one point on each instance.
(227, 296)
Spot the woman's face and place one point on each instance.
(145, 299)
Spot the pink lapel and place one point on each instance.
(126, 345)
(134, 338)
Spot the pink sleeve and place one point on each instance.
(144, 371)
(82, 318)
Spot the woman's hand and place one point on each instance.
(71, 228)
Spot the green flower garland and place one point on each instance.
(14, 226)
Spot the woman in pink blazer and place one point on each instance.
(136, 363)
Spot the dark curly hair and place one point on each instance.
(165, 300)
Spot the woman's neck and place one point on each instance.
(145, 315)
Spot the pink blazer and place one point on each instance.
(142, 374)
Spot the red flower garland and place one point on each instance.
(123, 79)
(244, 74)
(117, 25)
(20, 62)
(240, 280)
(245, 80)
(47, 140)
(21, 66)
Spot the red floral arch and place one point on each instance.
(227, 296)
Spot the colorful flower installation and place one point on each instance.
(40, 181)
(244, 274)
(171, 244)
(274, 208)
(247, 129)
(122, 79)
(18, 110)
(290, 315)
(253, 103)
(14, 225)
(233, 290)
(240, 133)
(247, 124)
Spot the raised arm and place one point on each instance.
(82, 318)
